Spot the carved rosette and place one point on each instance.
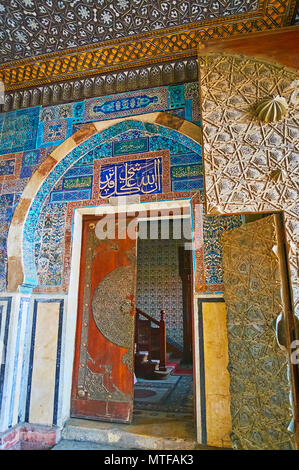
(271, 109)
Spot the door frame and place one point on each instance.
(72, 303)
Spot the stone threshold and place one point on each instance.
(139, 436)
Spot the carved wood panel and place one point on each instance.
(103, 365)
(259, 371)
(249, 165)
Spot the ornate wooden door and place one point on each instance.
(259, 381)
(104, 355)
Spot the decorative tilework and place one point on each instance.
(188, 185)
(78, 112)
(87, 146)
(189, 158)
(14, 186)
(159, 142)
(6, 200)
(126, 104)
(49, 245)
(7, 167)
(56, 131)
(133, 134)
(30, 162)
(70, 180)
(126, 147)
(213, 227)
(60, 196)
(196, 111)
(63, 111)
(77, 182)
(10, 167)
(186, 171)
(191, 91)
(7, 205)
(159, 285)
(131, 177)
(81, 170)
(18, 130)
(30, 157)
(176, 96)
(48, 114)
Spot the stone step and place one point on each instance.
(66, 444)
(125, 436)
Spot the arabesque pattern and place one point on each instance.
(251, 166)
(259, 380)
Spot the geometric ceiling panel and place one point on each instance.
(31, 27)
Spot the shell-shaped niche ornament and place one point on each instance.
(271, 109)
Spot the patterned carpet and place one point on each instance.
(172, 395)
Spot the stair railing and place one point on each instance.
(162, 326)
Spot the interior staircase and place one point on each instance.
(151, 356)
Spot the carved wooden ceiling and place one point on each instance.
(32, 27)
(56, 40)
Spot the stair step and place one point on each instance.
(134, 436)
(67, 444)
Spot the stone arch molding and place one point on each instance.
(21, 271)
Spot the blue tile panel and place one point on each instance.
(127, 104)
(18, 130)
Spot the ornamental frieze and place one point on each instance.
(156, 43)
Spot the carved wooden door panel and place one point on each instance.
(258, 367)
(103, 386)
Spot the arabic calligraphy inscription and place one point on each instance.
(131, 177)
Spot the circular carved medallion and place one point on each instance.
(111, 306)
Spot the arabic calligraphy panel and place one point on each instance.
(145, 173)
(131, 177)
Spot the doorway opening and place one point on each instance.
(164, 316)
(103, 388)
